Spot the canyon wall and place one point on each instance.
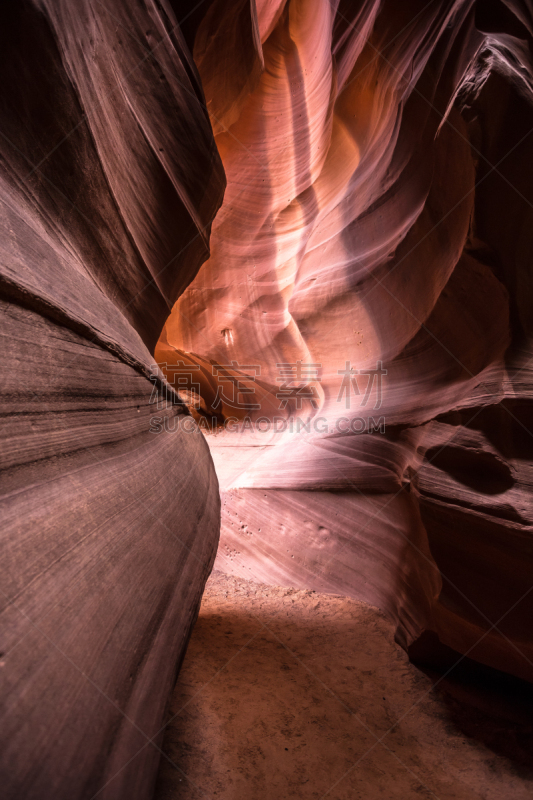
(360, 348)
(329, 202)
(110, 179)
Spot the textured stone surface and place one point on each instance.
(109, 182)
(378, 164)
(378, 210)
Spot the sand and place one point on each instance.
(292, 694)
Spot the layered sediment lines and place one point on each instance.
(350, 324)
(369, 289)
(109, 182)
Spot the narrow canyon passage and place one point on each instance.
(266, 296)
(294, 694)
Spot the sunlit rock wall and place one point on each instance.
(360, 337)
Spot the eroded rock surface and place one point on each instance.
(377, 216)
(109, 181)
(358, 307)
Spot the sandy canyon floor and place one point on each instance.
(291, 694)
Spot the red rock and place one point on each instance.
(373, 216)
(108, 171)
(376, 163)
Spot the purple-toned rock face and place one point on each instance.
(109, 181)
(316, 216)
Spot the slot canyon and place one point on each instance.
(266, 399)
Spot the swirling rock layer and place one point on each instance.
(109, 182)
(359, 305)
(377, 216)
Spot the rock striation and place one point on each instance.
(315, 215)
(109, 182)
(361, 333)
